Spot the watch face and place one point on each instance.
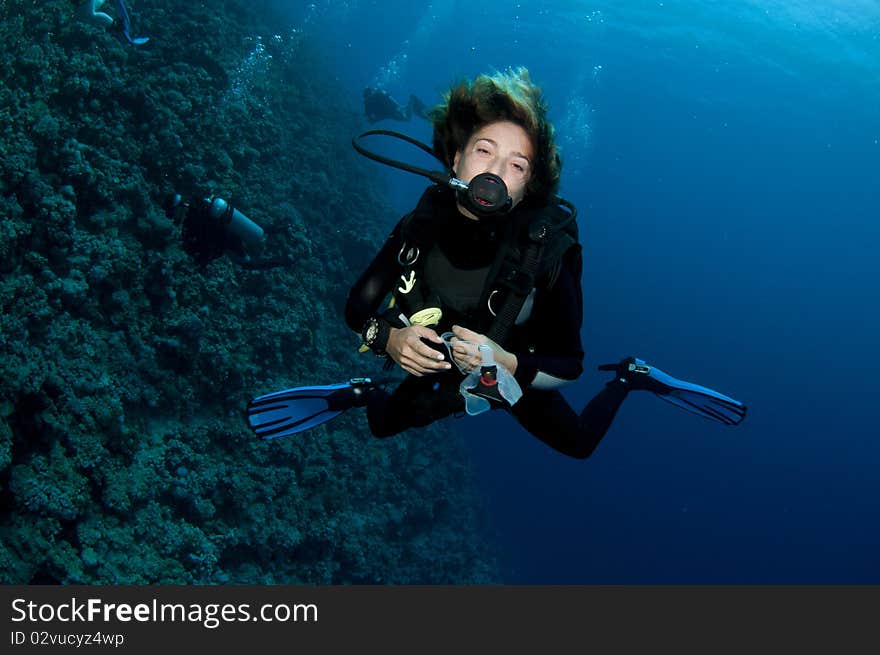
(371, 332)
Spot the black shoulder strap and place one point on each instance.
(565, 228)
(417, 226)
(548, 234)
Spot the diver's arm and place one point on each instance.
(556, 329)
(554, 333)
(374, 284)
(406, 346)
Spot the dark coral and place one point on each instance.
(124, 366)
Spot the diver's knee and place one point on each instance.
(582, 452)
(383, 431)
(380, 425)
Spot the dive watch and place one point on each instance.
(375, 334)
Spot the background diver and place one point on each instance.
(212, 227)
(484, 277)
(121, 25)
(379, 105)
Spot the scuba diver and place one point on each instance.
(121, 25)
(211, 227)
(379, 105)
(484, 279)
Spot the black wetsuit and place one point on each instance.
(546, 340)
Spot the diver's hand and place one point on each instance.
(405, 346)
(465, 350)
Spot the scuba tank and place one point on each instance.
(212, 226)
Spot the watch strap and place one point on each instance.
(378, 344)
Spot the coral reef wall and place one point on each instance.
(124, 366)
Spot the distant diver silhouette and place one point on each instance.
(379, 105)
(89, 12)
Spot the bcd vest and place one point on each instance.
(532, 242)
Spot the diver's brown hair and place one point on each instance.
(509, 96)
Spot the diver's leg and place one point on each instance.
(417, 402)
(548, 416)
(417, 107)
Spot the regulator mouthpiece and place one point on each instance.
(486, 195)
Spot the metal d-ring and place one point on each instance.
(489, 303)
(412, 255)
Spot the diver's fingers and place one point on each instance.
(468, 335)
(424, 350)
(411, 365)
(462, 358)
(467, 355)
(415, 344)
(467, 346)
(419, 366)
(425, 333)
(411, 370)
(407, 347)
(422, 358)
(461, 349)
(472, 364)
(424, 355)
(467, 361)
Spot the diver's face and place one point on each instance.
(502, 148)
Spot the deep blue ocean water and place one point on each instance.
(725, 159)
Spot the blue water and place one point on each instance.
(725, 158)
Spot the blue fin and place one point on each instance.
(694, 398)
(126, 25)
(697, 399)
(287, 412)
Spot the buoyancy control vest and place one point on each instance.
(529, 243)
